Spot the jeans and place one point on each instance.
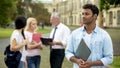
(33, 61)
(21, 64)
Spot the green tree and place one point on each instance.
(13, 10)
(40, 13)
(4, 8)
(115, 3)
(5, 11)
(35, 9)
(20, 7)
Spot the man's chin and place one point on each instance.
(84, 22)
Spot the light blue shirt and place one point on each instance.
(100, 46)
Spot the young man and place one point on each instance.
(60, 34)
(97, 40)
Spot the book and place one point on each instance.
(82, 52)
(46, 41)
(36, 37)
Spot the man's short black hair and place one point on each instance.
(93, 8)
(20, 22)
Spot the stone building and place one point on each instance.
(70, 11)
(111, 17)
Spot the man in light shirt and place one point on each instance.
(59, 34)
(97, 40)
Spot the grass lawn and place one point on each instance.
(116, 62)
(6, 33)
(115, 33)
(45, 53)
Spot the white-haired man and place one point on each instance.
(60, 34)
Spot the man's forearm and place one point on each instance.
(97, 63)
(73, 59)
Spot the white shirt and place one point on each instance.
(61, 35)
(87, 38)
(19, 38)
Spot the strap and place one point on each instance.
(24, 38)
(23, 33)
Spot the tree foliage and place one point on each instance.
(105, 4)
(9, 9)
(114, 2)
(5, 11)
(20, 7)
(34, 9)
(40, 13)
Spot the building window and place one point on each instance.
(75, 20)
(111, 18)
(118, 16)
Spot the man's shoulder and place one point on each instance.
(101, 30)
(78, 30)
(64, 26)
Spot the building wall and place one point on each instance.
(70, 10)
(49, 7)
(113, 16)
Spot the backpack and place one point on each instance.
(11, 58)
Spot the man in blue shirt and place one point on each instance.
(97, 40)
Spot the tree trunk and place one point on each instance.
(101, 19)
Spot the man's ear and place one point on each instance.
(95, 16)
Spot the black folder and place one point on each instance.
(46, 41)
(82, 52)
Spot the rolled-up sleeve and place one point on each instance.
(107, 51)
(69, 51)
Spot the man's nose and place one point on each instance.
(83, 16)
(50, 21)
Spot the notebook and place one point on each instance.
(83, 52)
(46, 41)
(36, 37)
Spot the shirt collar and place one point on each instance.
(58, 25)
(95, 30)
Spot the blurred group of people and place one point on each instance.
(65, 42)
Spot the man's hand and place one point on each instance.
(80, 62)
(53, 43)
(86, 64)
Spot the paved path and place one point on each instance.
(3, 44)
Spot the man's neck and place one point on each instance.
(89, 28)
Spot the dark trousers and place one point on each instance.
(56, 58)
(12, 66)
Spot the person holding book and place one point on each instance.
(33, 48)
(59, 34)
(97, 40)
